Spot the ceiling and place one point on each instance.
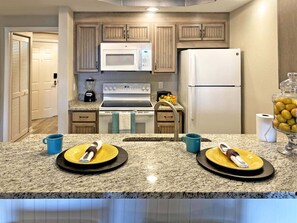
(50, 7)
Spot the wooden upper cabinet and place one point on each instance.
(213, 31)
(113, 32)
(164, 59)
(124, 32)
(189, 32)
(207, 31)
(87, 47)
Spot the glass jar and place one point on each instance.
(285, 112)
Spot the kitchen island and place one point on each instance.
(153, 170)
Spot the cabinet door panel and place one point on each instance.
(87, 47)
(116, 33)
(138, 33)
(164, 49)
(213, 31)
(189, 32)
(83, 128)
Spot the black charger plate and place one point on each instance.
(121, 159)
(263, 173)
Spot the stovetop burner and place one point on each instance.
(126, 103)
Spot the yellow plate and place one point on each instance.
(106, 153)
(217, 157)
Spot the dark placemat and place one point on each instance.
(265, 172)
(121, 159)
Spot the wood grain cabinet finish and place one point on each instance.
(165, 122)
(87, 47)
(164, 49)
(84, 122)
(126, 33)
(196, 32)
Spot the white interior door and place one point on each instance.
(19, 120)
(214, 110)
(44, 86)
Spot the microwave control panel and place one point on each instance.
(146, 59)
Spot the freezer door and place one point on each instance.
(215, 67)
(214, 110)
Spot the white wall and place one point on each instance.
(253, 28)
(1, 81)
(65, 67)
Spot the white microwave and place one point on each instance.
(126, 56)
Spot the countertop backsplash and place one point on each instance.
(169, 81)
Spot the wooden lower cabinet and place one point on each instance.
(84, 122)
(165, 122)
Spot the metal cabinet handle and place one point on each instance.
(203, 33)
(124, 34)
(83, 116)
(127, 33)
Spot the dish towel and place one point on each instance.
(123, 122)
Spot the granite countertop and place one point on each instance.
(28, 172)
(76, 105)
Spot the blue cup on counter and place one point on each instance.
(193, 142)
(54, 143)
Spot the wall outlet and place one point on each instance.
(160, 85)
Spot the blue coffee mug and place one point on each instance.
(54, 143)
(193, 142)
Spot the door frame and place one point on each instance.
(7, 73)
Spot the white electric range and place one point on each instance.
(127, 97)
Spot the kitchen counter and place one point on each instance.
(177, 106)
(28, 172)
(76, 105)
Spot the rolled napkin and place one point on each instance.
(233, 155)
(91, 151)
(264, 128)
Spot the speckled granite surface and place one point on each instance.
(28, 172)
(76, 105)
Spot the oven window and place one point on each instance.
(119, 59)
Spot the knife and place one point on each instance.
(233, 155)
(91, 151)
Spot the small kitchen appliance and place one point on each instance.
(285, 112)
(126, 56)
(90, 95)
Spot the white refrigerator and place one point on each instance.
(209, 88)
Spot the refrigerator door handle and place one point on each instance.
(193, 76)
(192, 105)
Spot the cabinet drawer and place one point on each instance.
(167, 127)
(167, 116)
(84, 116)
(84, 128)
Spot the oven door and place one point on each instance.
(144, 121)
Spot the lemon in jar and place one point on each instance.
(294, 112)
(281, 119)
(284, 127)
(280, 106)
(291, 121)
(289, 107)
(275, 122)
(286, 114)
(294, 128)
(286, 100)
